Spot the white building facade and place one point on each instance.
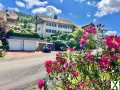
(47, 26)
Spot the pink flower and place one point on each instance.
(113, 42)
(82, 85)
(61, 60)
(41, 84)
(66, 66)
(85, 35)
(89, 56)
(58, 54)
(49, 70)
(83, 42)
(71, 49)
(115, 56)
(91, 29)
(48, 66)
(104, 62)
(70, 88)
(48, 63)
(75, 73)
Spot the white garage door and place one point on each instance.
(30, 45)
(15, 44)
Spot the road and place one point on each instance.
(19, 74)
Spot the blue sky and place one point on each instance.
(81, 12)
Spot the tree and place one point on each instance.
(74, 41)
(77, 33)
(3, 35)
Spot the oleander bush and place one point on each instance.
(93, 67)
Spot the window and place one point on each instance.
(48, 30)
(60, 25)
(63, 26)
(54, 24)
(53, 31)
(70, 26)
(39, 28)
(49, 24)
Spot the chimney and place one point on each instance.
(55, 16)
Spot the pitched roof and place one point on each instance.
(12, 15)
(2, 16)
(59, 20)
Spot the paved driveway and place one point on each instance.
(21, 55)
(18, 74)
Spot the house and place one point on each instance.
(3, 16)
(47, 26)
(8, 19)
(12, 18)
(3, 25)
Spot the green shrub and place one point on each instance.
(28, 35)
(5, 45)
(2, 53)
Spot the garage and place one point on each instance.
(15, 44)
(23, 44)
(30, 45)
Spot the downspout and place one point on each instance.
(36, 23)
(23, 44)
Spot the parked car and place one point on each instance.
(46, 49)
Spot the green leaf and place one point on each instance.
(58, 88)
(104, 76)
(74, 81)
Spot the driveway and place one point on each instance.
(19, 74)
(20, 55)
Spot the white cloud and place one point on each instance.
(79, 0)
(31, 3)
(14, 9)
(39, 10)
(91, 3)
(53, 10)
(106, 7)
(88, 15)
(1, 6)
(109, 33)
(61, 1)
(47, 9)
(20, 4)
(94, 20)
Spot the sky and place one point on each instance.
(80, 12)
